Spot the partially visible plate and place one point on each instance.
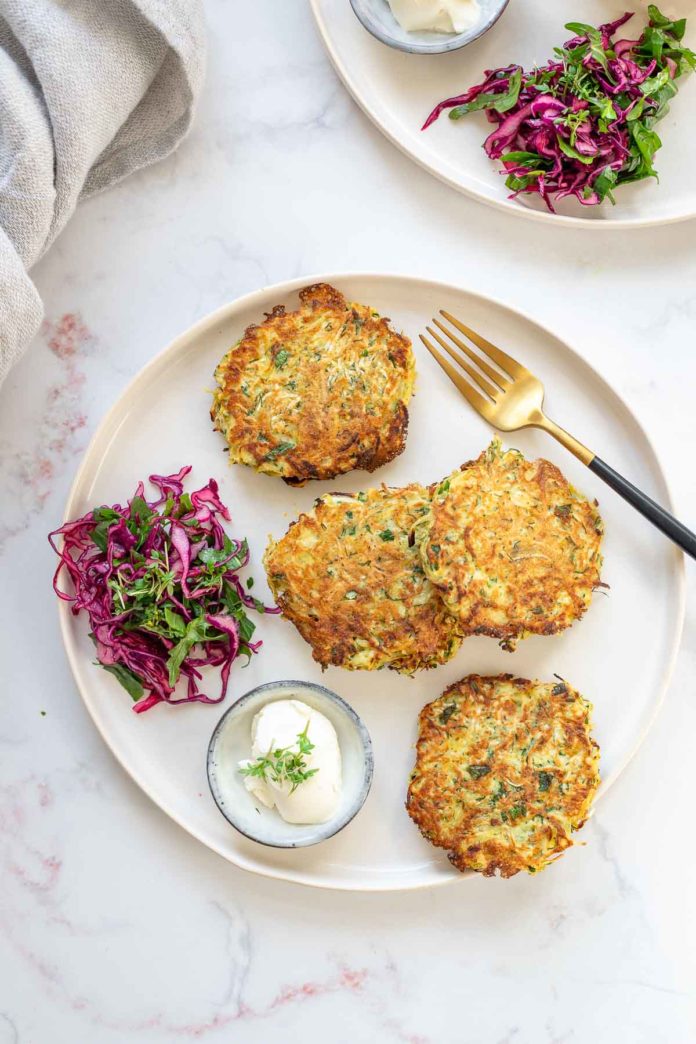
(398, 91)
(161, 422)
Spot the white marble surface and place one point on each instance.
(114, 924)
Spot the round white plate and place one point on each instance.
(398, 91)
(161, 422)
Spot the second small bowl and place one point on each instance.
(377, 17)
(231, 742)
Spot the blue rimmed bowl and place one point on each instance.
(231, 742)
(377, 18)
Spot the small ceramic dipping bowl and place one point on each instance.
(378, 19)
(231, 742)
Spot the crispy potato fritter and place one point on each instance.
(506, 769)
(512, 547)
(348, 575)
(314, 393)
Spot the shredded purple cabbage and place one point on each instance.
(159, 581)
(583, 123)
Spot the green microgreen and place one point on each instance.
(284, 764)
(478, 771)
(446, 713)
(280, 450)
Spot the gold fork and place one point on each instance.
(509, 397)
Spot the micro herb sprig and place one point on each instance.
(284, 764)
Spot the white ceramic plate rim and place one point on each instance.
(223, 314)
(507, 205)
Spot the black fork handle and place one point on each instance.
(665, 522)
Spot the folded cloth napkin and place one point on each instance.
(90, 90)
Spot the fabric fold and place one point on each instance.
(89, 93)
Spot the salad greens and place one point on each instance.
(582, 124)
(159, 582)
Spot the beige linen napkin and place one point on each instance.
(90, 90)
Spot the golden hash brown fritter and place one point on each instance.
(513, 548)
(350, 578)
(317, 392)
(506, 770)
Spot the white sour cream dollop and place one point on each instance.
(437, 16)
(278, 725)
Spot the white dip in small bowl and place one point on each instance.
(231, 743)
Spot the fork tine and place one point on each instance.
(495, 375)
(477, 378)
(508, 364)
(480, 404)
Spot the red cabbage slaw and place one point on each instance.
(583, 123)
(159, 582)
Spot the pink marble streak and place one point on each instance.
(36, 871)
(31, 473)
(35, 885)
(38, 876)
